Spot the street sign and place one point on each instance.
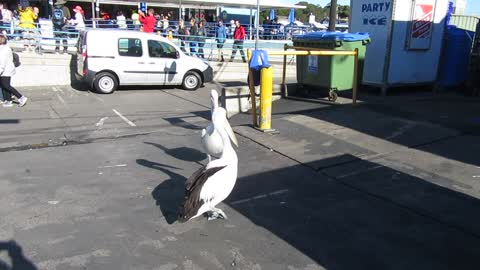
(421, 25)
(142, 6)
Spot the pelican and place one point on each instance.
(211, 140)
(212, 183)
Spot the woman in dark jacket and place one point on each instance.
(193, 37)
(201, 38)
(182, 33)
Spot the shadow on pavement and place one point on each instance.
(168, 195)
(369, 217)
(180, 122)
(438, 125)
(17, 258)
(182, 153)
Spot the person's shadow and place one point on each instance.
(182, 153)
(168, 194)
(19, 261)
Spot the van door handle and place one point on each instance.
(152, 63)
(141, 62)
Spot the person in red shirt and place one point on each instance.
(238, 38)
(147, 21)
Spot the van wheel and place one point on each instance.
(105, 83)
(191, 81)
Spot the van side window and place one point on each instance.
(130, 47)
(161, 49)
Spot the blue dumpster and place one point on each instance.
(455, 56)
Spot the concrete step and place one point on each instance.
(50, 69)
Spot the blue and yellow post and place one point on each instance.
(258, 60)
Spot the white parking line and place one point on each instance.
(99, 124)
(124, 118)
(113, 166)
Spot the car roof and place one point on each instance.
(130, 33)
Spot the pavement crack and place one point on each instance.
(65, 141)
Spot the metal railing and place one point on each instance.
(43, 36)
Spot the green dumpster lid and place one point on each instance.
(335, 36)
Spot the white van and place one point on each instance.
(109, 58)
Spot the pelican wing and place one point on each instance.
(193, 188)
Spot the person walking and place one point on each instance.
(238, 38)
(147, 21)
(7, 70)
(193, 37)
(60, 16)
(220, 37)
(202, 34)
(182, 33)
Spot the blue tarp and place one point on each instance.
(335, 36)
(259, 59)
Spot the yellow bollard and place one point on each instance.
(266, 89)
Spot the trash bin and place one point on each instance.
(456, 55)
(333, 73)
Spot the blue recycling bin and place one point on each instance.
(455, 56)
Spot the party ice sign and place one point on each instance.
(421, 25)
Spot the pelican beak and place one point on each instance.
(230, 133)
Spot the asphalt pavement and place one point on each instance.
(93, 181)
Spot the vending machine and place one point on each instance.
(406, 40)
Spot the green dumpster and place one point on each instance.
(332, 73)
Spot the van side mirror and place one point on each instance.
(177, 55)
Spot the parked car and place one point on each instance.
(108, 58)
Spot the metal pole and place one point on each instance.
(355, 78)
(97, 9)
(257, 22)
(250, 26)
(180, 10)
(333, 15)
(93, 14)
(284, 73)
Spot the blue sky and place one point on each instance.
(321, 2)
(473, 6)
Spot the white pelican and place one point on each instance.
(212, 183)
(211, 140)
